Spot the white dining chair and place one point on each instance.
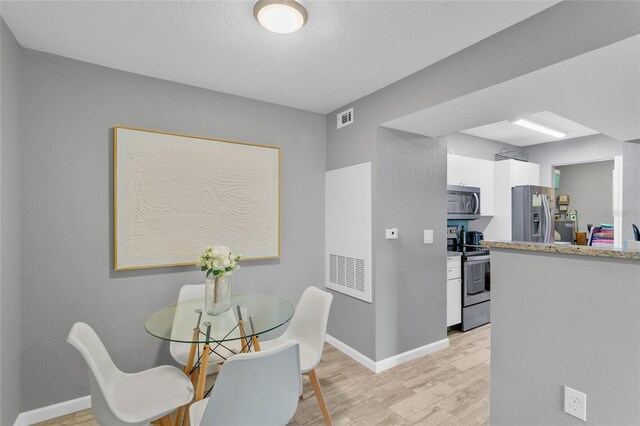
(180, 351)
(119, 398)
(257, 388)
(309, 327)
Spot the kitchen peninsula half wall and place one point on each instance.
(564, 316)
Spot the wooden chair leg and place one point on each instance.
(203, 373)
(315, 384)
(166, 420)
(187, 370)
(185, 417)
(194, 382)
(179, 415)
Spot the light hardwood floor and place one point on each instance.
(447, 387)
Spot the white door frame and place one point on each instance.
(617, 201)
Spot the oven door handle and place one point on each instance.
(478, 259)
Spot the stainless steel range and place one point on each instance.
(476, 288)
(476, 278)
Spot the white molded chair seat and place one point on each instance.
(258, 388)
(308, 327)
(138, 398)
(119, 398)
(308, 358)
(180, 351)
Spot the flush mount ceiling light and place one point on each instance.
(280, 16)
(532, 125)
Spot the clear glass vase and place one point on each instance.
(217, 295)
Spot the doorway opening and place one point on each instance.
(589, 198)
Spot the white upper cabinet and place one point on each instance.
(486, 179)
(525, 173)
(508, 173)
(468, 171)
(454, 169)
(462, 171)
(469, 174)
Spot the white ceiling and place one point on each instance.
(507, 132)
(347, 50)
(599, 89)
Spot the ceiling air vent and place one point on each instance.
(345, 118)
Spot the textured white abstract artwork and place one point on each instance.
(174, 195)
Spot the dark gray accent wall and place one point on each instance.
(10, 213)
(590, 186)
(558, 33)
(410, 309)
(67, 212)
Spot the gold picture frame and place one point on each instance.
(248, 174)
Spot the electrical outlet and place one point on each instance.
(428, 236)
(575, 403)
(392, 233)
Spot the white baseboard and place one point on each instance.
(351, 353)
(52, 411)
(390, 362)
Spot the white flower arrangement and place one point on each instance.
(218, 261)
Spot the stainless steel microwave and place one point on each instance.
(463, 202)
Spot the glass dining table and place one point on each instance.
(231, 332)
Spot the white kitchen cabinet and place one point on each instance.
(486, 182)
(454, 301)
(454, 169)
(469, 172)
(462, 171)
(525, 173)
(454, 290)
(508, 173)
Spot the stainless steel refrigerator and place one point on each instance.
(532, 210)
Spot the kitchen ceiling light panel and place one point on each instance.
(280, 16)
(532, 125)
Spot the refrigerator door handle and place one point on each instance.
(547, 219)
(546, 223)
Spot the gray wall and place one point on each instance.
(475, 147)
(578, 150)
(523, 48)
(352, 321)
(630, 187)
(10, 141)
(590, 186)
(410, 279)
(565, 320)
(67, 212)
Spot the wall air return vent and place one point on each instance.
(347, 272)
(348, 230)
(345, 118)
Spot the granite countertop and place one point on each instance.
(454, 253)
(618, 253)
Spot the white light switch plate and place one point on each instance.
(392, 233)
(428, 236)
